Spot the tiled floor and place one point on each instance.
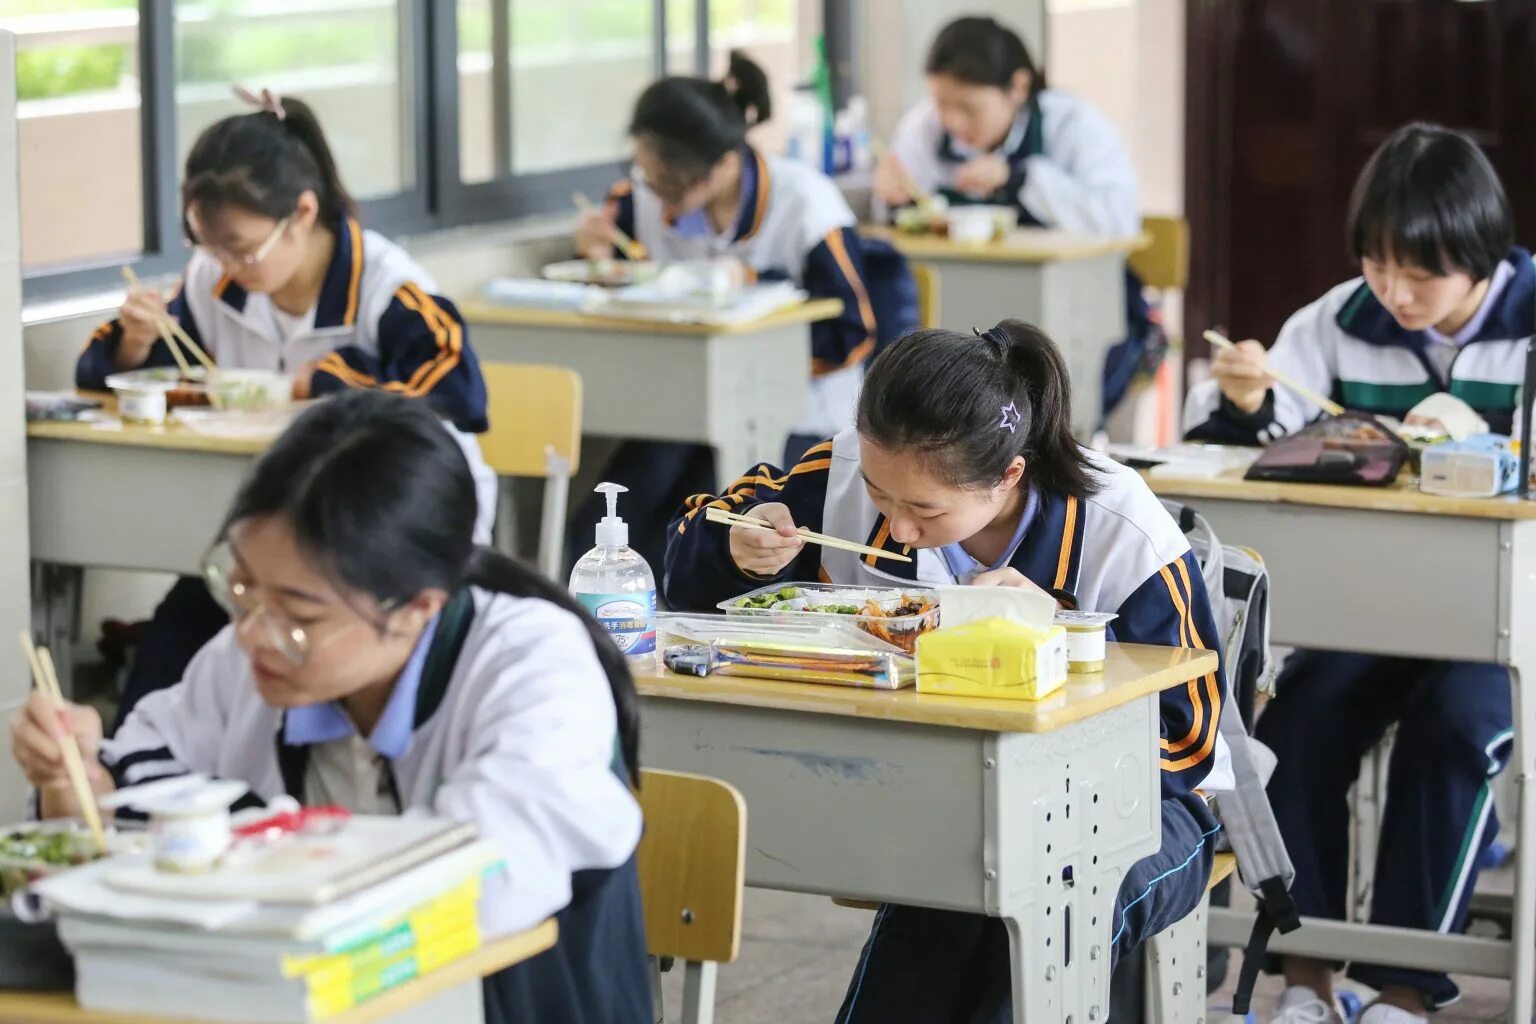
(798, 953)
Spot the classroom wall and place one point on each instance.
(15, 609)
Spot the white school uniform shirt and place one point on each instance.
(790, 210)
(522, 745)
(1082, 180)
(248, 331)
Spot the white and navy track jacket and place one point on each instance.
(514, 729)
(377, 324)
(1116, 551)
(1348, 346)
(794, 225)
(1070, 169)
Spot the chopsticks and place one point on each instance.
(171, 331)
(1324, 403)
(631, 248)
(47, 680)
(919, 195)
(720, 515)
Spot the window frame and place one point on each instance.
(437, 199)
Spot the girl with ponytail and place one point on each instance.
(365, 617)
(284, 278)
(699, 190)
(963, 459)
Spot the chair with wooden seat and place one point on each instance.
(927, 282)
(1164, 262)
(535, 414)
(692, 862)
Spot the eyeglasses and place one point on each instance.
(244, 605)
(669, 189)
(239, 261)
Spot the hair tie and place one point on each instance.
(266, 101)
(995, 336)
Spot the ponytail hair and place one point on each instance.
(693, 122)
(263, 162)
(948, 398)
(982, 51)
(392, 535)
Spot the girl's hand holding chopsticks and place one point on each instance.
(767, 552)
(38, 733)
(1242, 373)
(140, 315)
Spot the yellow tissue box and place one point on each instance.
(993, 658)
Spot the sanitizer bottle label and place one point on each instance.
(628, 618)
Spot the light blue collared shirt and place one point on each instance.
(964, 568)
(324, 723)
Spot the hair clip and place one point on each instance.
(266, 101)
(1011, 418)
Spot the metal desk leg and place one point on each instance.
(56, 591)
(1516, 629)
(1068, 813)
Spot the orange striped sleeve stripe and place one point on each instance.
(763, 187)
(1068, 529)
(881, 537)
(450, 341)
(355, 285)
(839, 252)
(825, 448)
(337, 367)
(1204, 693)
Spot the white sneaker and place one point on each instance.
(1381, 1013)
(1301, 1005)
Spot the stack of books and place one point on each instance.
(299, 931)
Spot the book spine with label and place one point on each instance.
(422, 934)
(364, 941)
(337, 998)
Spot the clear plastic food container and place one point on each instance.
(897, 615)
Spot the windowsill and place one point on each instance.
(537, 228)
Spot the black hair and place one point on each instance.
(693, 122)
(982, 51)
(380, 497)
(948, 396)
(262, 163)
(1428, 197)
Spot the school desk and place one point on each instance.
(1399, 572)
(1070, 286)
(1027, 811)
(739, 388)
(451, 993)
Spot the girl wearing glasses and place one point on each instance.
(284, 278)
(442, 679)
(699, 190)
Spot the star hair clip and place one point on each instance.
(1011, 418)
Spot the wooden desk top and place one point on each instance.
(171, 436)
(1026, 245)
(61, 1008)
(1130, 671)
(805, 313)
(1402, 496)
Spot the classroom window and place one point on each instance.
(342, 57)
(773, 33)
(78, 112)
(577, 68)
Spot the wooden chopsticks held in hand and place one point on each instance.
(47, 680)
(720, 515)
(919, 195)
(631, 248)
(171, 331)
(1324, 403)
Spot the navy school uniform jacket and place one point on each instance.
(1115, 551)
(377, 324)
(1348, 346)
(793, 225)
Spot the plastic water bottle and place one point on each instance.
(613, 582)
